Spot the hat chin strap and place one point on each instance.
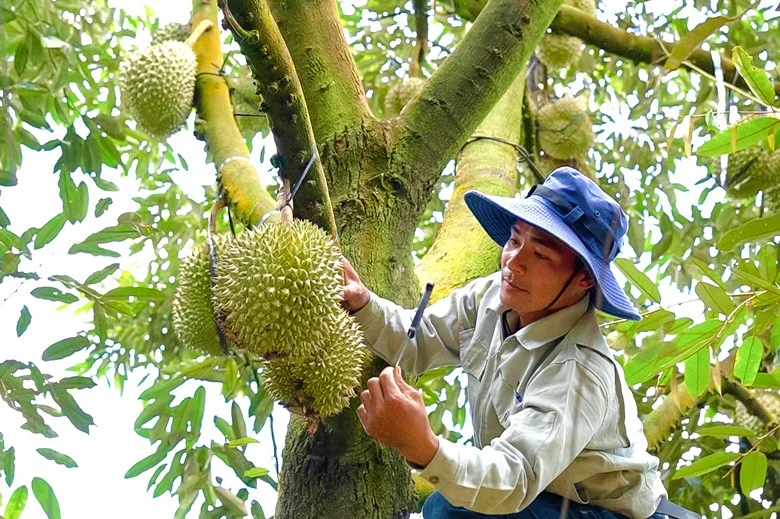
(565, 286)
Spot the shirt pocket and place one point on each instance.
(473, 354)
(506, 401)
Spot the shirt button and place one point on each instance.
(433, 479)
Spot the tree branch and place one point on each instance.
(489, 166)
(237, 175)
(329, 78)
(266, 52)
(421, 42)
(469, 83)
(751, 403)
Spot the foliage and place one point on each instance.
(60, 98)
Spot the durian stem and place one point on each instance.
(284, 203)
(421, 46)
(751, 403)
(440, 119)
(203, 26)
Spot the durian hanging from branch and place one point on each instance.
(558, 51)
(158, 83)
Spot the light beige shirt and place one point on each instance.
(549, 404)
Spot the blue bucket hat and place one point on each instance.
(572, 208)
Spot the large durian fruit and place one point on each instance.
(158, 86)
(193, 313)
(565, 130)
(558, 51)
(172, 31)
(399, 95)
(277, 296)
(752, 170)
(743, 418)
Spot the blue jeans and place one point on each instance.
(545, 506)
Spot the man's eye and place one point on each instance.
(541, 256)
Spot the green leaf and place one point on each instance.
(257, 511)
(50, 231)
(725, 431)
(105, 185)
(101, 206)
(97, 277)
(239, 426)
(23, 322)
(697, 372)
(20, 57)
(4, 220)
(57, 457)
(9, 264)
(748, 360)
(638, 279)
(707, 271)
(231, 502)
(758, 229)
(53, 294)
(255, 472)
(224, 427)
(15, 505)
(116, 233)
(691, 41)
(757, 79)
(753, 472)
(65, 348)
(240, 442)
(769, 380)
(756, 281)
(715, 297)
(748, 131)
(45, 496)
(71, 409)
(139, 293)
(76, 383)
(74, 199)
(147, 463)
(706, 464)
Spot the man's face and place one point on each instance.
(534, 268)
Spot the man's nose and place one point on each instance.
(517, 260)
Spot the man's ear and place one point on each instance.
(585, 281)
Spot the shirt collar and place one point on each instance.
(550, 327)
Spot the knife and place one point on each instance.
(411, 333)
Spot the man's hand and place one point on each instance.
(354, 293)
(393, 413)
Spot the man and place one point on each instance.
(555, 425)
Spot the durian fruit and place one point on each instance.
(193, 313)
(558, 51)
(331, 373)
(275, 284)
(172, 31)
(565, 129)
(158, 85)
(281, 380)
(399, 94)
(743, 418)
(752, 170)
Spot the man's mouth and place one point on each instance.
(508, 280)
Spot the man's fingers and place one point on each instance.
(399, 379)
(365, 398)
(362, 416)
(390, 388)
(375, 388)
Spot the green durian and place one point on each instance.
(558, 51)
(193, 312)
(743, 418)
(740, 183)
(158, 85)
(399, 95)
(281, 381)
(331, 373)
(171, 31)
(565, 129)
(275, 284)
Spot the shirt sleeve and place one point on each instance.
(563, 408)
(437, 342)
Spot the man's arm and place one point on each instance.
(563, 408)
(384, 324)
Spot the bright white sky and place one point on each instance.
(97, 487)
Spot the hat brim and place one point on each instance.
(498, 214)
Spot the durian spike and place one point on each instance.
(202, 27)
(284, 202)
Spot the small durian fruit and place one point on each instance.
(589, 6)
(172, 31)
(158, 85)
(275, 284)
(743, 418)
(193, 313)
(399, 95)
(331, 373)
(558, 51)
(751, 170)
(281, 381)
(565, 129)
